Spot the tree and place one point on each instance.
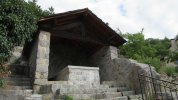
(136, 47)
(150, 51)
(18, 22)
(161, 46)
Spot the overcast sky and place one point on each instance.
(159, 18)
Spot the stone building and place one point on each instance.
(174, 44)
(77, 38)
(174, 49)
(75, 53)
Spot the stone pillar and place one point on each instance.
(113, 52)
(42, 61)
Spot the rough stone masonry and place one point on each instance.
(42, 60)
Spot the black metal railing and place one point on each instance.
(153, 88)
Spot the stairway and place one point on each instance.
(17, 88)
(106, 91)
(127, 94)
(18, 85)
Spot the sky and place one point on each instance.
(159, 18)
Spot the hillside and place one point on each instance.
(156, 52)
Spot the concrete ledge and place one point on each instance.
(82, 67)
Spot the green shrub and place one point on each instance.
(155, 62)
(176, 69)
(2, 82)
(68, 98)
(18, 22)
(169, 70)
(4, 72)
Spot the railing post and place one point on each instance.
(166, 87)
(140, 85)
(153, 82)
(161, 91)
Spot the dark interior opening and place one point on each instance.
(65, 52)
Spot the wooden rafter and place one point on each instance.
(77, 37)
(101, 31)
(83, 30)
(68, 26)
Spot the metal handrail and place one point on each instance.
(153, 88)
(158, 79)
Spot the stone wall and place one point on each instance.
(126, 72)
(174, 45)
(103, 59)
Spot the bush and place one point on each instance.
(4, 72)
(2, 81)
(68, 98)
(18, 22)
(155, 62)
(176, 69)
(169, 70)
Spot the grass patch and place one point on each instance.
(152, 61)
(68, 98)
(170, 71)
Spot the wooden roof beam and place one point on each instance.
(68, 26)
(76, 37)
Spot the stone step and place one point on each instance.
(103, 86)
(127, 93)
(19, 83)
(112, 94)
(68, 88)
(112, 90)
(9, 87)
(34, 97)
(86, 90)
(65, 85)
(120, 89)
(16, 92)
(68, 85)
(20, 97)
(109, 83)
(117, 98)
(11, 97)
(76, 97)
(79, 90)
(135, 97)
(96, 96)
(113, 84)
